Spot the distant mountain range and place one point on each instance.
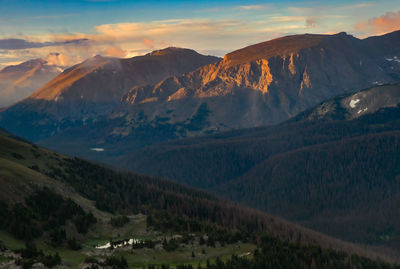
(90, 90)
(20, 81)
(258, 85)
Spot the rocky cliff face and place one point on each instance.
(286, 75)
(354, 105)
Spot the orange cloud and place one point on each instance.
(381, 25)
(149, 43)
(114, 52)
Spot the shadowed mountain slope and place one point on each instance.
(92, 89)
(330, 168)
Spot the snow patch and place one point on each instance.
(245, 254)
(119, 244)
(108, 245)
(377, 83)
(394, 59)
(353, 103)
(97, 149)
(362, 110)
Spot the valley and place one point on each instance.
(178, 225)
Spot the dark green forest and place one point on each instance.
(275, 254)
(44, 212)
(172, 207)
(307, 171)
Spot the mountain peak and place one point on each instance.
(171, 51)
(25, 65)
(19, 81)
(276, 47)
(283, 46)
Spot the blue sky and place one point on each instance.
(128, 28)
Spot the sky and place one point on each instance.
(67, 32)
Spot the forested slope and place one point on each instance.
(59, 199)
(308, 170)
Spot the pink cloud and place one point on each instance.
(310, 22)
(380, 25)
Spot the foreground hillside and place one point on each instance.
(66, 206)
(333, 168)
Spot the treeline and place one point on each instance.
(273, 253)
(172, 206)
(122, 192)
(165, 222)
(44, 211)
(31, 255)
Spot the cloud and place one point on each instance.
(59, 60)
(284, 19)
(131, 39)
(251, 7)
(310, 22)
(284, 29)
(358, 6)
(149, 43)
(114, 52)
(380, 25)
(2, 65)
(128, 39)
(15, 43)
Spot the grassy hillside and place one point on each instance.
(65, 206)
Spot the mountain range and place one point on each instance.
(259, 85)
(90, 90)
